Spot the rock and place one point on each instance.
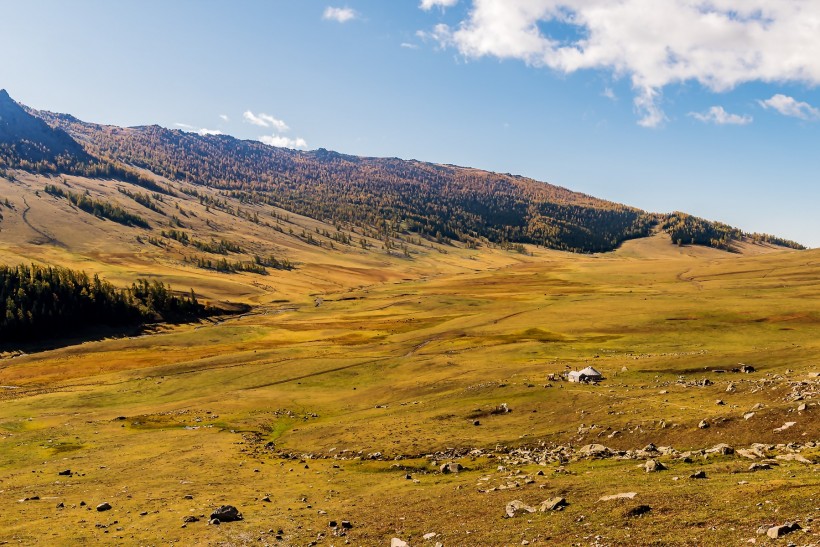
(105, 506)
(60, 505)
(801, 407)
(722, 448)
(730, 388)
(703, 424)
(651, 466)
(758, 406)
(779, 531)
(595, 451)
(346, 525)
(265, 499)
(553, 504)
(67, 472)
(698, 475)
(82, 504)
(638, 511)
(517, 506)
(396, 542)
(190, 518)
(621, 496)
(720, 402)
(226, 513)
(476, 422)
(429, 535)
(747, 369)
(452, 467)
(332, 524)
(785, 426)
(748, 415)
(214, 522)
(187, 497)
(759, 467)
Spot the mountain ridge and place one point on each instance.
(391, 195)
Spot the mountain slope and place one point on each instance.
(392, 195)
(27, 141)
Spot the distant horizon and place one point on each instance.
(724, 127)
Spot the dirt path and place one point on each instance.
(45, 238)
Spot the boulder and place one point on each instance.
(621, 496)
(190, 518)
(698, 475)
(553, 504)
(779, 531)
(516, 507)
(105, 506)
(595, 451)
(759, 467)
(703, 424)
(452, 467)
(226, 513)
(651, 466)
(396, 542)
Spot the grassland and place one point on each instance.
(327, 409)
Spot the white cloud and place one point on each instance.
(609, 94)
(199, 130)
(408, 45)
(224, 117)
(717, 43)
(427, 5)
(340, 15)
(717, 115)
(265, 120)
(283, 142)
(789, 106)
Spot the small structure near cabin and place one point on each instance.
(589, 375)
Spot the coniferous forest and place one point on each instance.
(38, 302)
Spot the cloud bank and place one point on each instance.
(718, 116)
(717, 43)
(283, 142)
(789, 106)
(427, 5)
(340, 15)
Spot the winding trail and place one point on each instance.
(45, 237)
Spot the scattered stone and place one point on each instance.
(758, 406)
(779, 531)
(730, 388)
(652, 466)
(698, 475)
(144, 513)
(703, 424)
(60, 505)
(784, 427)
(747, 369)
(477, 422)
(332, 524)
(429, 535)
(722, 449)
(720, 402)
(190, 518)
(226, 513)
(214, 522)
(621, 496)
(82, 504)
(452, 467)
(553, 504)
(517, 506)
(595, 451)
(801, 407)
(346, 525)
(748, 415)
(105, 506)
(187, 497)
(638, 511)
(67, 472)
(396, 542)
(266, 499)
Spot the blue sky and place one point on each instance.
(712, 109)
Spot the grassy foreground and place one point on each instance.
(346, 410)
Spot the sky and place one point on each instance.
(711, 107)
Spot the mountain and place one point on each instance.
(28, 142)
(385, 196)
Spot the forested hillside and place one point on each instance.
(438, 201)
